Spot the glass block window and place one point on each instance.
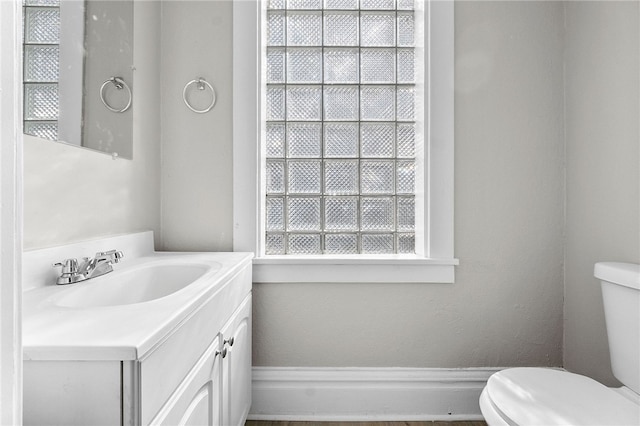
(41, 67)
(340, 127)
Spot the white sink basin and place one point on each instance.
(142, 284)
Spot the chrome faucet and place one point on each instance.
(90, 268)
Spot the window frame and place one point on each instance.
(434, 260)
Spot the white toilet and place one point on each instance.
(545, 396)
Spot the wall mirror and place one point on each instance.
(78, 73)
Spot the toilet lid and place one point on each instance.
(541, 396)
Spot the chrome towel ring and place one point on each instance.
(120, 84)
(201, 84)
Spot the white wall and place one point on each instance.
(603, 162)
(73, 194)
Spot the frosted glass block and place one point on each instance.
(341, 244)
(341, 29)
(377, 4)
(304, 65)
(341, 177)
(377, 103)
(377, 177)
(406, 177)
(41, 101)
(340, 4)
(275, 103)
(42, 2)
(406, 66)
(303, 214)
(406, 104)
(341, 103)
(42, 25)
(304, 29)
(341, 65)
(275, 214)
(44, 130)
(377, 140)
(304, 140)
(275, 140)
(377, 66)
(41, 63)
(275, 65)
(304, 4)
(303, 103)
(378, 29)
(406, 215)
(275, 29)
(304, 244)
(304, 177)
(276, 4)
(341, 139)
(275, 177)
(377, 243)
(274, 244)
(405, 5)
(406, 243)
(406, 140)
(405, 29)
(341, 214)
(376, 214)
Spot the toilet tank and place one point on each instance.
(621, 297)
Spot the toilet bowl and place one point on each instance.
(546, 396)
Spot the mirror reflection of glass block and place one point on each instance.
(406, 215)
(378, 29)
(406, 4)
(304, 244)
(341, 244)
(275, 214)
(44, 130)
(377, 140)
(275, 177)
(406, 66)
(303, 214)
(341, 29)
(341, 103)
(406, 243)
(41, 101)
(340, 4)
(275, 140)
(377, 4)
(406, 103)
(377, 103)
(275, 29)
(376, 214)
(406, 140)
(341, 177)
(304, 65)
(341, 139)
(304, 140)
(405, 29)
(377, 66)
(304, 4)
(341, 65)
(275, 65)
(304, 177)
(406, 177)
(41, 63)
(42, 25)
(274, 244)
(341, 213)
(304, 29)
(276, 4)
(275, 103)
(376, 177)
(303, 103)
(377, 243)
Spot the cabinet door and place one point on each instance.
(236, 366)
(196, 401)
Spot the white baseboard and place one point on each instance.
(342, 394)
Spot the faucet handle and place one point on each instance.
(70, 266)
(111, 255)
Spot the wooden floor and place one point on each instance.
(273, 423)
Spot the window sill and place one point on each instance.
(353, 269)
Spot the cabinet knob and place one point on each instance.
(223, 352)
(229, 341)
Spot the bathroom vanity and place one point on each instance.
(165, 339)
